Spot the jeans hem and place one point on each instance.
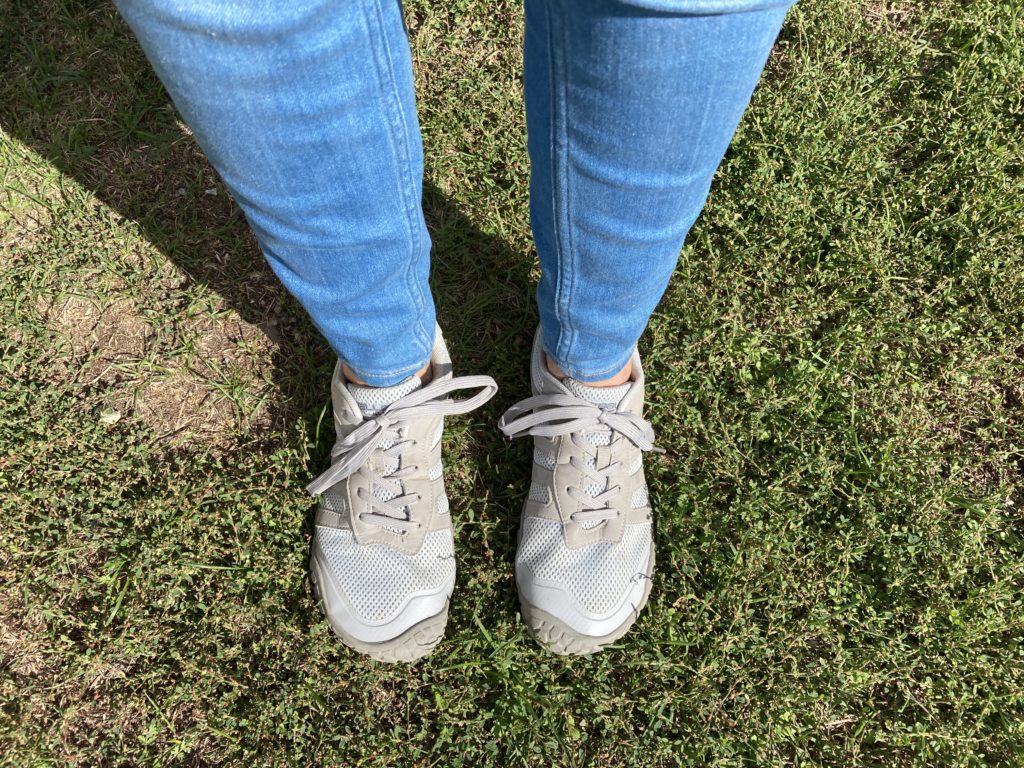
(386, 378)
(593, 370)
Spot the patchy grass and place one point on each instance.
(836, 368)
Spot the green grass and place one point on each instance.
(837, 370)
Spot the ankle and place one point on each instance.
(613, 381)
(423, 373)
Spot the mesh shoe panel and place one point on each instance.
(376, 579)
(596, 395)
(599, 576)
(373, 400)
(334, 501)
(540, 493)
(640, 498)
(544, 458)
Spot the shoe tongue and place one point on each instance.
(606, 397)
(373, 400)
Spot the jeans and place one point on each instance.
(306, 110)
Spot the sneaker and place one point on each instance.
(383, 560)
(586, 542)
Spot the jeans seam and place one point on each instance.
(386, 75)
(560, 183)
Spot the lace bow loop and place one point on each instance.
(351, 454)
(557, 415)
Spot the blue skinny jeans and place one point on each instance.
(306, 110)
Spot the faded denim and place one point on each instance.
(306, 109)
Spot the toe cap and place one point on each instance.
(593, 589)
(373, 593)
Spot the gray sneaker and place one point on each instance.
(586, 541)
(383, 560)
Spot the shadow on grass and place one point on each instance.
(78, 91)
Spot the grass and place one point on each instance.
(837, 370)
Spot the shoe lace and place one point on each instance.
(350, 455)
(560, 415)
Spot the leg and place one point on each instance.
(306, 110)
(629, 111)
